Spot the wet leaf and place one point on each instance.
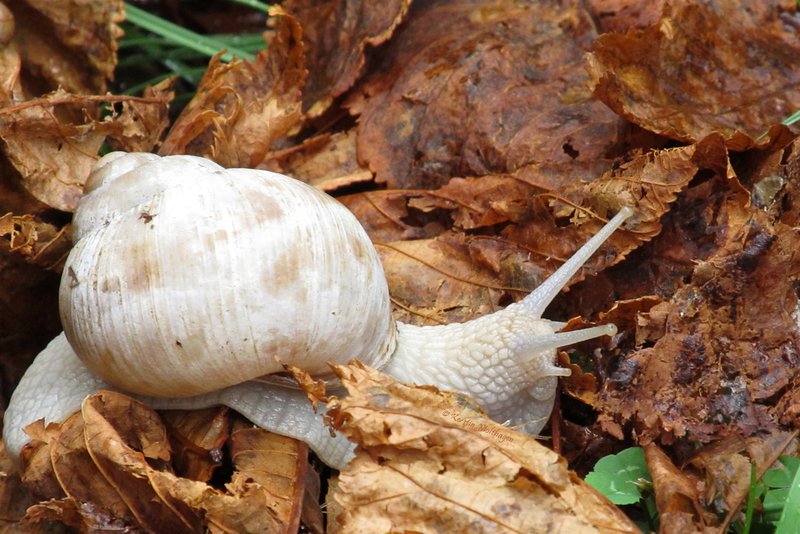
(469, 89)
(730, 346)
(716, 66)
(430, 461)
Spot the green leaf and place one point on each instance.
(782, 477)
(620, 477)
(790, 517)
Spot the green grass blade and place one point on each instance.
(792, 118)
(181, 36)
(255, 4)
(751, 500)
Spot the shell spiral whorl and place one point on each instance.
(186, 277)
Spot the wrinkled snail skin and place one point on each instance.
(57, 381)
(187, 279)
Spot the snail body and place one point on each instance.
(188, 280)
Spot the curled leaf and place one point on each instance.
(241, 108)
(430, 461)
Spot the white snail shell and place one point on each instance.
(187, 280)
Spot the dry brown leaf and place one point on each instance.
(107, 467)
(38, 242)
(386, 216)
(277, 464)
(336, 33)
(119, 435)
(15, 498)
(79, 481)
(435, 280)
(431, 461)
(470, 89)
(622, 15)
(70, 44)
(718, 66)
(197, 438)
(524, 231)
(53, 156)
(140, 124)
(241, 108)
(326, 161)
(677, 496)
(52, 147)
(53, 142)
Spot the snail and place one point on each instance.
(188, 281)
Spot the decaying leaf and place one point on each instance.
(622, 15)
(53, 154)
(430, 461)
(730, 345)
(717, 66)
(520, 231)
(470, 89)
(241, 108)
(39, 242)
(70, 44)
(107, 467)
(336, 33)
(677, 495)
(197, 437)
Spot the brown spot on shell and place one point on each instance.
(266, 210)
